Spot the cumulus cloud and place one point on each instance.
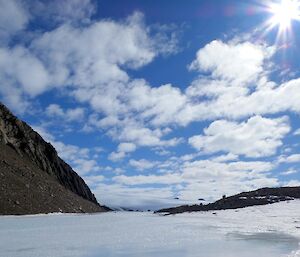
(226, 158)
(238, 63)
(20, 67)
(208, 179)
(148, 179)
(289, 172)
(13, 18)
(116, 156)
(256, 137)
(122, 151)
(84, 166)
(136, 197)
(210, 169)
(161, 104)
(143, 136)
(289, 159)
(126, 147)
(56, 111)
(211, 179)
(225, 91)
(206, 98)
(73, 59)
(21, 75)
(89, 60)
(142, 164)
(92, 56)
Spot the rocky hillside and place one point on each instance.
(261, 196)
(33, 178)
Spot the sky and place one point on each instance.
(159, 103)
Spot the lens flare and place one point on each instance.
(283, 14)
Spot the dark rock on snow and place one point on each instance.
(261, 196)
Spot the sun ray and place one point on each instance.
(283, 14)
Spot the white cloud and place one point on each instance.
(292, 183)
(56, 111)
(137, 133)
(77, 62)
(227, 92)
(289, 172)
(289, 159)
(93, 181)
(118, 171)
(209, 169)
(135, 197)
(116, 156)
(126, 147)
(226, 158)
(217, 99)
(256, 137)
(89, 61)
(208, 179)
(122, 151)
(142, 164)
(13, 18)
(148, 179)
(297, 132)
(85, 166)
(211, 179)
(75, 114)
(238, 63)
(70, 152)
(92, 56)
(21, 75)
(160, 103)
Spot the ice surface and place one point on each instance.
(264, 231)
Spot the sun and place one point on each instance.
(284, 13)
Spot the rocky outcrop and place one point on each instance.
(28, 145)
(261, 196)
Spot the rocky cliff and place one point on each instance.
(24, 150)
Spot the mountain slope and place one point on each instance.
(33, 179)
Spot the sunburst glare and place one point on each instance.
(283, 15)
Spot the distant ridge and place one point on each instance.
(33, 178)
(261, 196)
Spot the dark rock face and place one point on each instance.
(28, 145)
(261, 196)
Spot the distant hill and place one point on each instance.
(261, 196)
(33, 178)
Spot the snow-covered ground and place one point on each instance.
(265, 231)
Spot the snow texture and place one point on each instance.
(265, 231)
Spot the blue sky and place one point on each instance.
(155, 100)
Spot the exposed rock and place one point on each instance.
(261, 196)
(31, 166)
